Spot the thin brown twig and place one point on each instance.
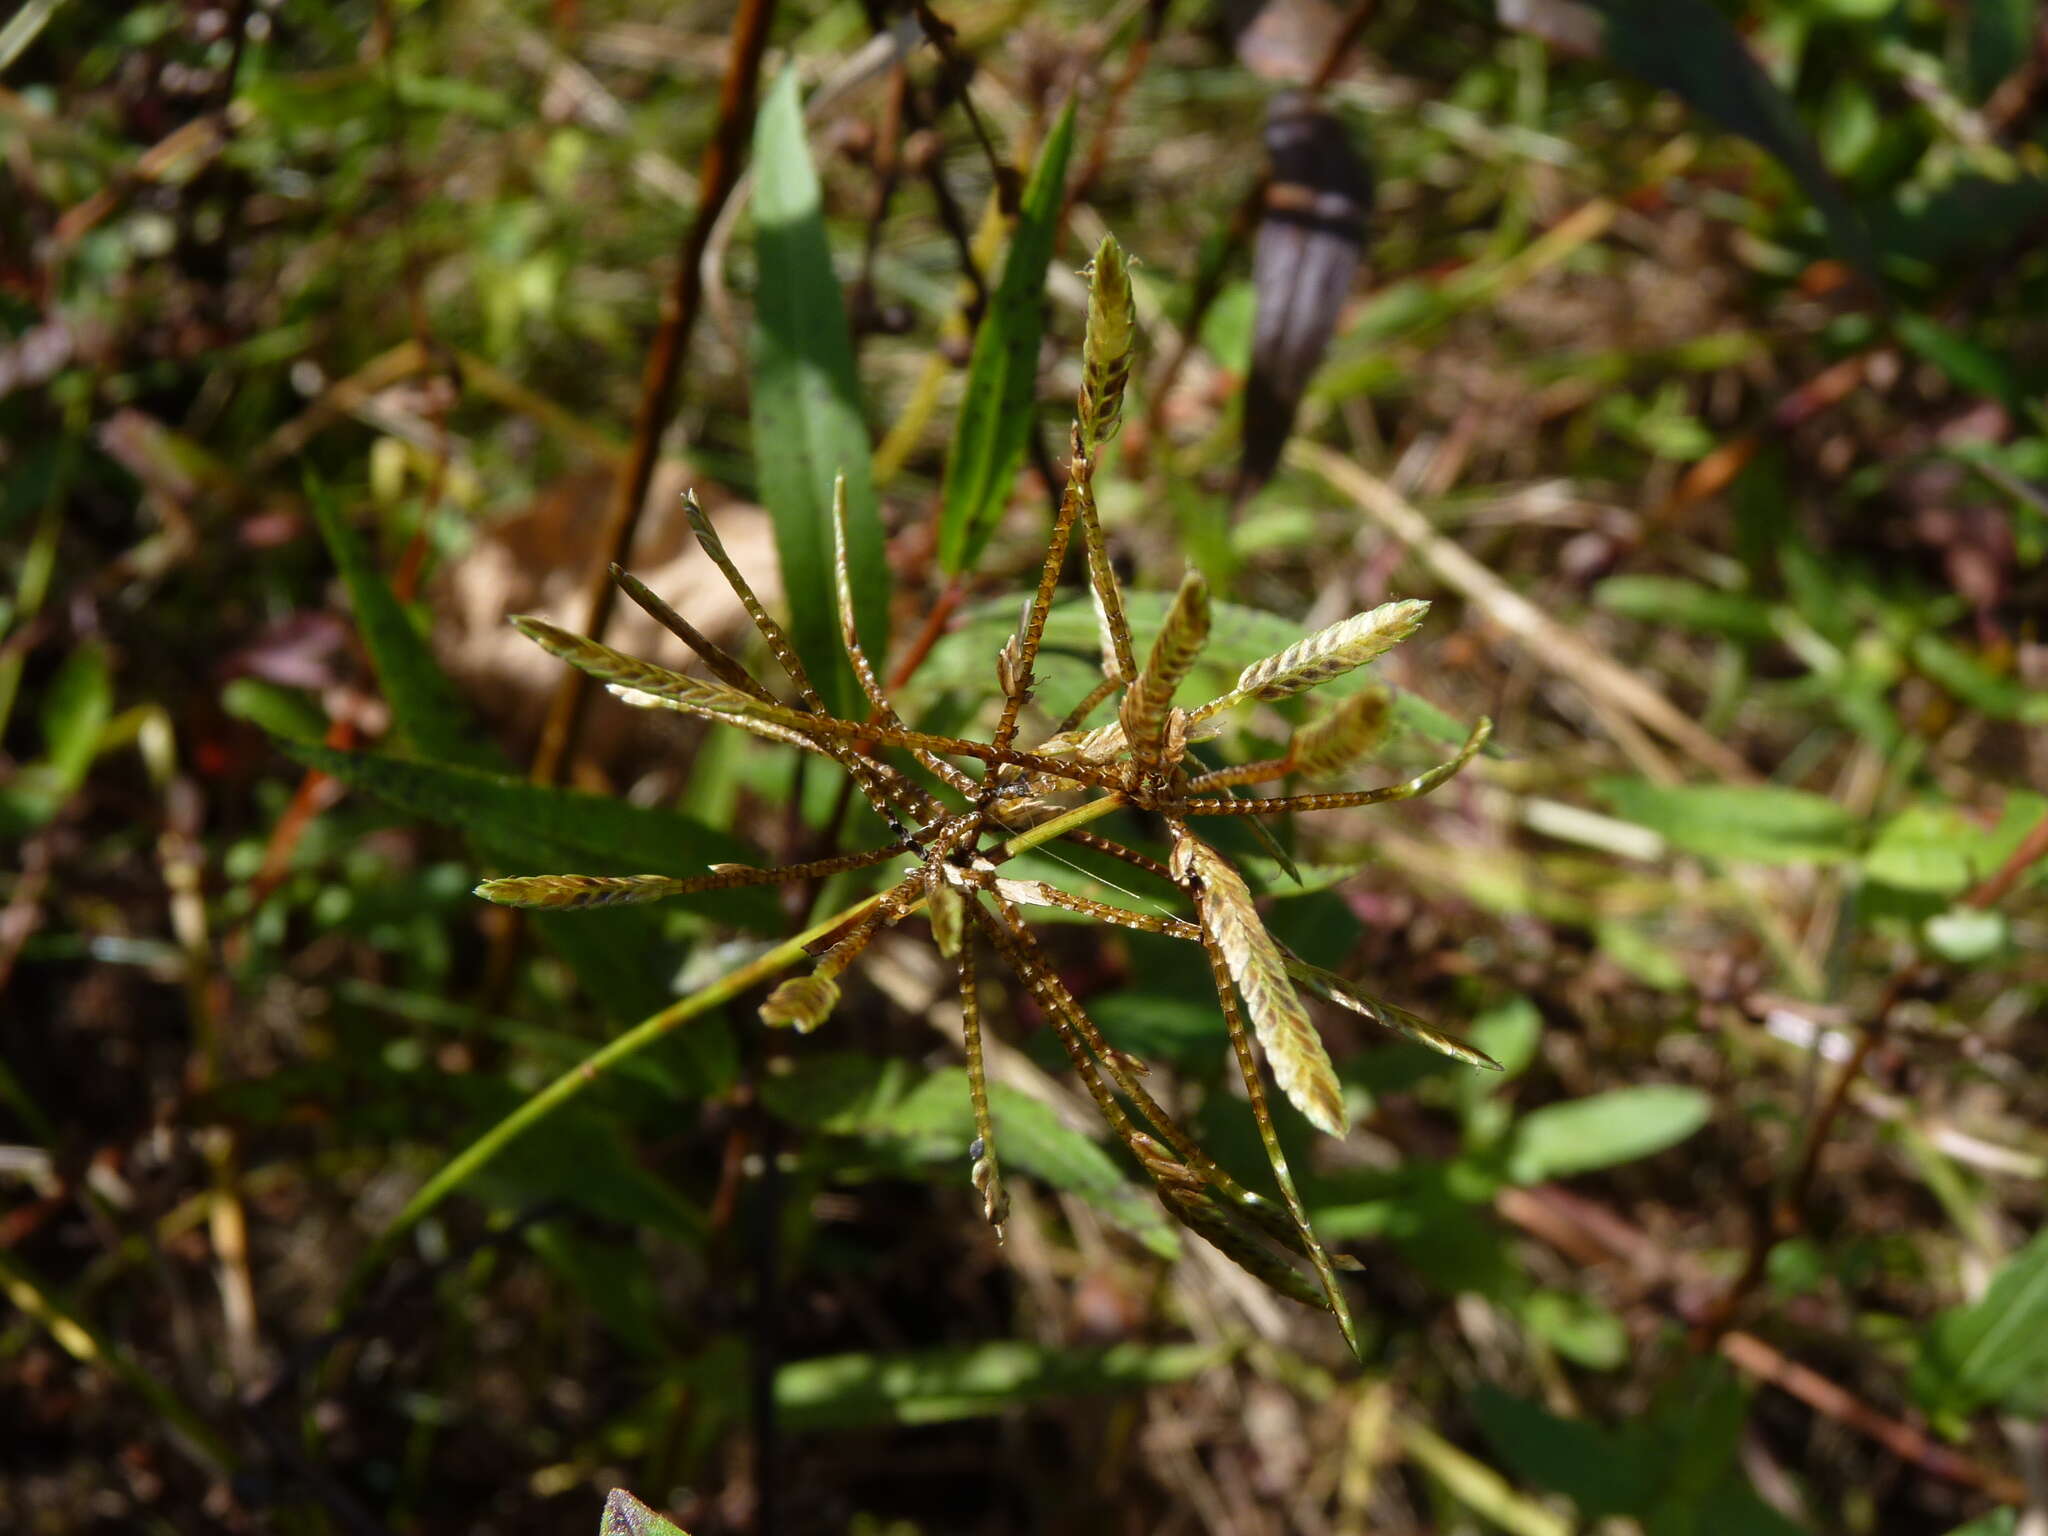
(1787, 1216)
(717, 178)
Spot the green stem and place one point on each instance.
(89, 1347)
(467, 1163)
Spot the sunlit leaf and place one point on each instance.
(1761, 823)
(1602, 1130)
(997, 415)
(807, 421)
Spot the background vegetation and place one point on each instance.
(1703, 399)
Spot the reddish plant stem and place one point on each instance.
(1787, 1216)
(719, 174)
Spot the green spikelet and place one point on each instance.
(1106, 352)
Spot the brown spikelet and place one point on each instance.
(1107, 348)
(1327, 653)
(1353, 730)
(566, 893)
(946, 909)
(802, 1001)
(1293, 1049)
(1107, 592)
(1329, 985)
(1180, 641)
(620, 670)
(723, 664)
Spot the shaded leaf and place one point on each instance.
(1602, 1130)
(1033, 1139)
(807, 422)
(997, 414)
(1688, 605)
(1691, 49)
(431, 716)
(1996, 1349)
(936, 1385)
(1762, 823)
(543, 822)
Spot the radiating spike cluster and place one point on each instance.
(1049, 791)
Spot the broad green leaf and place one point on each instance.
(807, 422)
(1691, 49)
(625, 1515)
(1995, 1350)
(1687, 604)
(1926, 848)
(1603, 1129)
(937, 1385)
(1762, 823)
(997, 414)
(1581, 1330)
(545, 824)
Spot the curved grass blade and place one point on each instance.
(996, 417)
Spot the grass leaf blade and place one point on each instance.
(808, 427)
(996, 416)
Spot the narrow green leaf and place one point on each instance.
(997, 415)
(1995, 1350)
(936, 1385)
(1602, 1130)
(1687, 604)
(76, 706)
(1762, 823)
(431, 716)
(537, 823)
(808, 427)
(1691, 49)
